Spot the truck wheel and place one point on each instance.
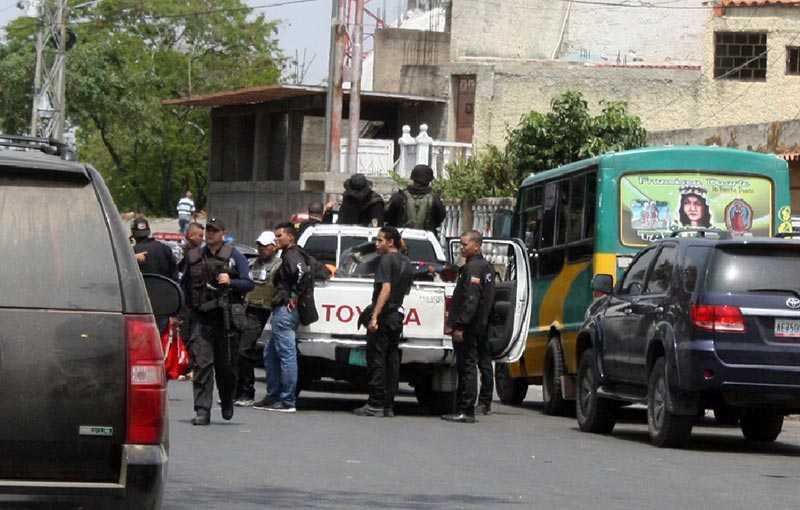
(511, 391)
(761, 425)
(594, 413)
(553, 399)
(436, 402)
(666, 429)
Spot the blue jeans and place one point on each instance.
(183, 223)
(280, 356)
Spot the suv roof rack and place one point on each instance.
(48, 146)
(701, 232)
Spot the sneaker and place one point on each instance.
(459, 418)
(244, 402)
(484, 409)
(368, 410)
(280, 407)
(264, 403)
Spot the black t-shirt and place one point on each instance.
(393, 268)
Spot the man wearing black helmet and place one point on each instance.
(417, 206)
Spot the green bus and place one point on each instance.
(592, 217)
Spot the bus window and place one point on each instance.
(575, 211)
(590, 204)
(563, 210)
(549, 216)
(533, 202)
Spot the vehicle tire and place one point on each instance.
(553, 399)
(667, 430)
(435, 402)
(727, 416)
(511, 391)
(594, 413)
(761, 425)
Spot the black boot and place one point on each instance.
(202, 417)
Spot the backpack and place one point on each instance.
(418, 210)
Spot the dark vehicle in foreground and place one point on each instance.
(82, 383)
(695, 324)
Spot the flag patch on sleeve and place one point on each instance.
(475, 280)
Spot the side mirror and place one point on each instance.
(603, 283)
(166, 296)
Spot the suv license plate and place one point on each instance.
(787, 328)
(358, 357)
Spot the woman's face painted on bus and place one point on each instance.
(693, 207)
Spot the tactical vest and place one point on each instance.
(418, 210)
(263, 275)
(204, 268)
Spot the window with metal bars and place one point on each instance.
(793, 60)
(740, 56)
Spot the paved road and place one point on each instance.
(324, 457)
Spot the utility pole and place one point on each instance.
(333, 107)
(355, 88)
(48, 114)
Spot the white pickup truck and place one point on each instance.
(334, 347)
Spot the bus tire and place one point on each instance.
(552, 397)
(667, 430)
(594, 413)
(511, 391)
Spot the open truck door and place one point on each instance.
(511, 310)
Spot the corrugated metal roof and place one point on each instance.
(757, 3)
(266, 94)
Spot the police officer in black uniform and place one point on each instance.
(469, 322)
(216, 281)
(384, 321)
(154, 257)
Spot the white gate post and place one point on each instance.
(424, 142)
(408, 156)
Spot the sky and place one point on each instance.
(303, 26)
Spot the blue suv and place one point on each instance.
(694, 324)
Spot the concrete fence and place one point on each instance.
(423, 149)
(490, 216)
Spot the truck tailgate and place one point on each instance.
(340, 301)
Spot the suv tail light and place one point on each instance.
(147, 388)
(718, 318)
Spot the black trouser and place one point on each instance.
(487, 373)
(250, 356)
(466, 363)
(383, 365)
(215, 354)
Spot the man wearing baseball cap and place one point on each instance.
(216, 278)
(154, 257)
(259, 306)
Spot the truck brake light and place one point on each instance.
(147, 387)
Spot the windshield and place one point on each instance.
(755, 269)
(653, 205)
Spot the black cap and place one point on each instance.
(140, 228)
(358, 182)
(215, 223)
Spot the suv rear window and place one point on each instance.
(745, 268)
(421, 250)
(56, 248)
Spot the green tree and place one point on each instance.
(569, 133)
(489, 174)
(129, 56)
